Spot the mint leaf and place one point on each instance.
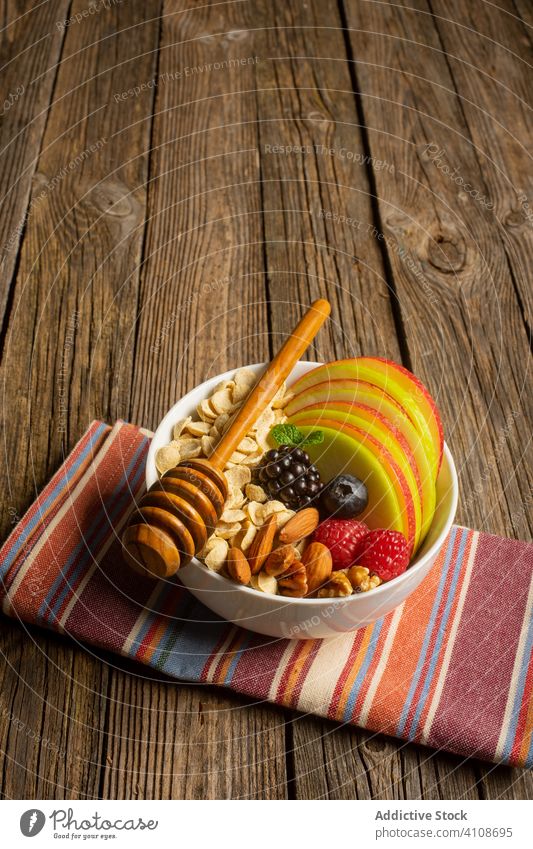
(315, 437)
(287, 434)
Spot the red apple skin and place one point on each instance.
(372, 414)
(374, 396)
(387, 459)
(425, 392)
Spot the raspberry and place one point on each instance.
(344, 538)
(386, 553)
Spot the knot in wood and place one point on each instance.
(446, 251)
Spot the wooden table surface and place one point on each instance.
(178, 180)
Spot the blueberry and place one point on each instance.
(344, 497)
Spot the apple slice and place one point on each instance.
(370, 401)
(340, 453)
(390, 437)
(399, 384)
(350, 449)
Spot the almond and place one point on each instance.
(279, 560)
(238, 566)
(300, 526)
(318, 565)
(262, 544)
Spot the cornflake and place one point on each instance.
(221, 401)
(267, 583)
(244, 381)
(256, 512)
(206, 412)
(189, 448)
(238, 476)
(232, 515)
(254, 492)
(195, 428)
(247, 505)
(180, 426)
(217, 554)
(167, 457)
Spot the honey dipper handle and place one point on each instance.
(274, 375)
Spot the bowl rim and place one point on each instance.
(355, 598)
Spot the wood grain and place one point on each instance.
(459, 304)
(308, 104)
(202, 310)
(30, 49)
(68, 336)
(267, 157)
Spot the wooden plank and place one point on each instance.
(320, 239)
(52, 715)
(524, 11)
(459, 337)
(201, 310)
(465, 333)
(491, 70)
(338, 762)
(30, 47)
(172, 741)
(319, 225)
(67, 346)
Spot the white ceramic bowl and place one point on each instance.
(304, 618)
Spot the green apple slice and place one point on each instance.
(386, 435)
(349, 449)
(386, 416)
(402, 386)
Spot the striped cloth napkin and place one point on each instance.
(450, 668)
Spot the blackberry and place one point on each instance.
(288, 475)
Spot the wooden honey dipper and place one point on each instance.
(172, 521)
